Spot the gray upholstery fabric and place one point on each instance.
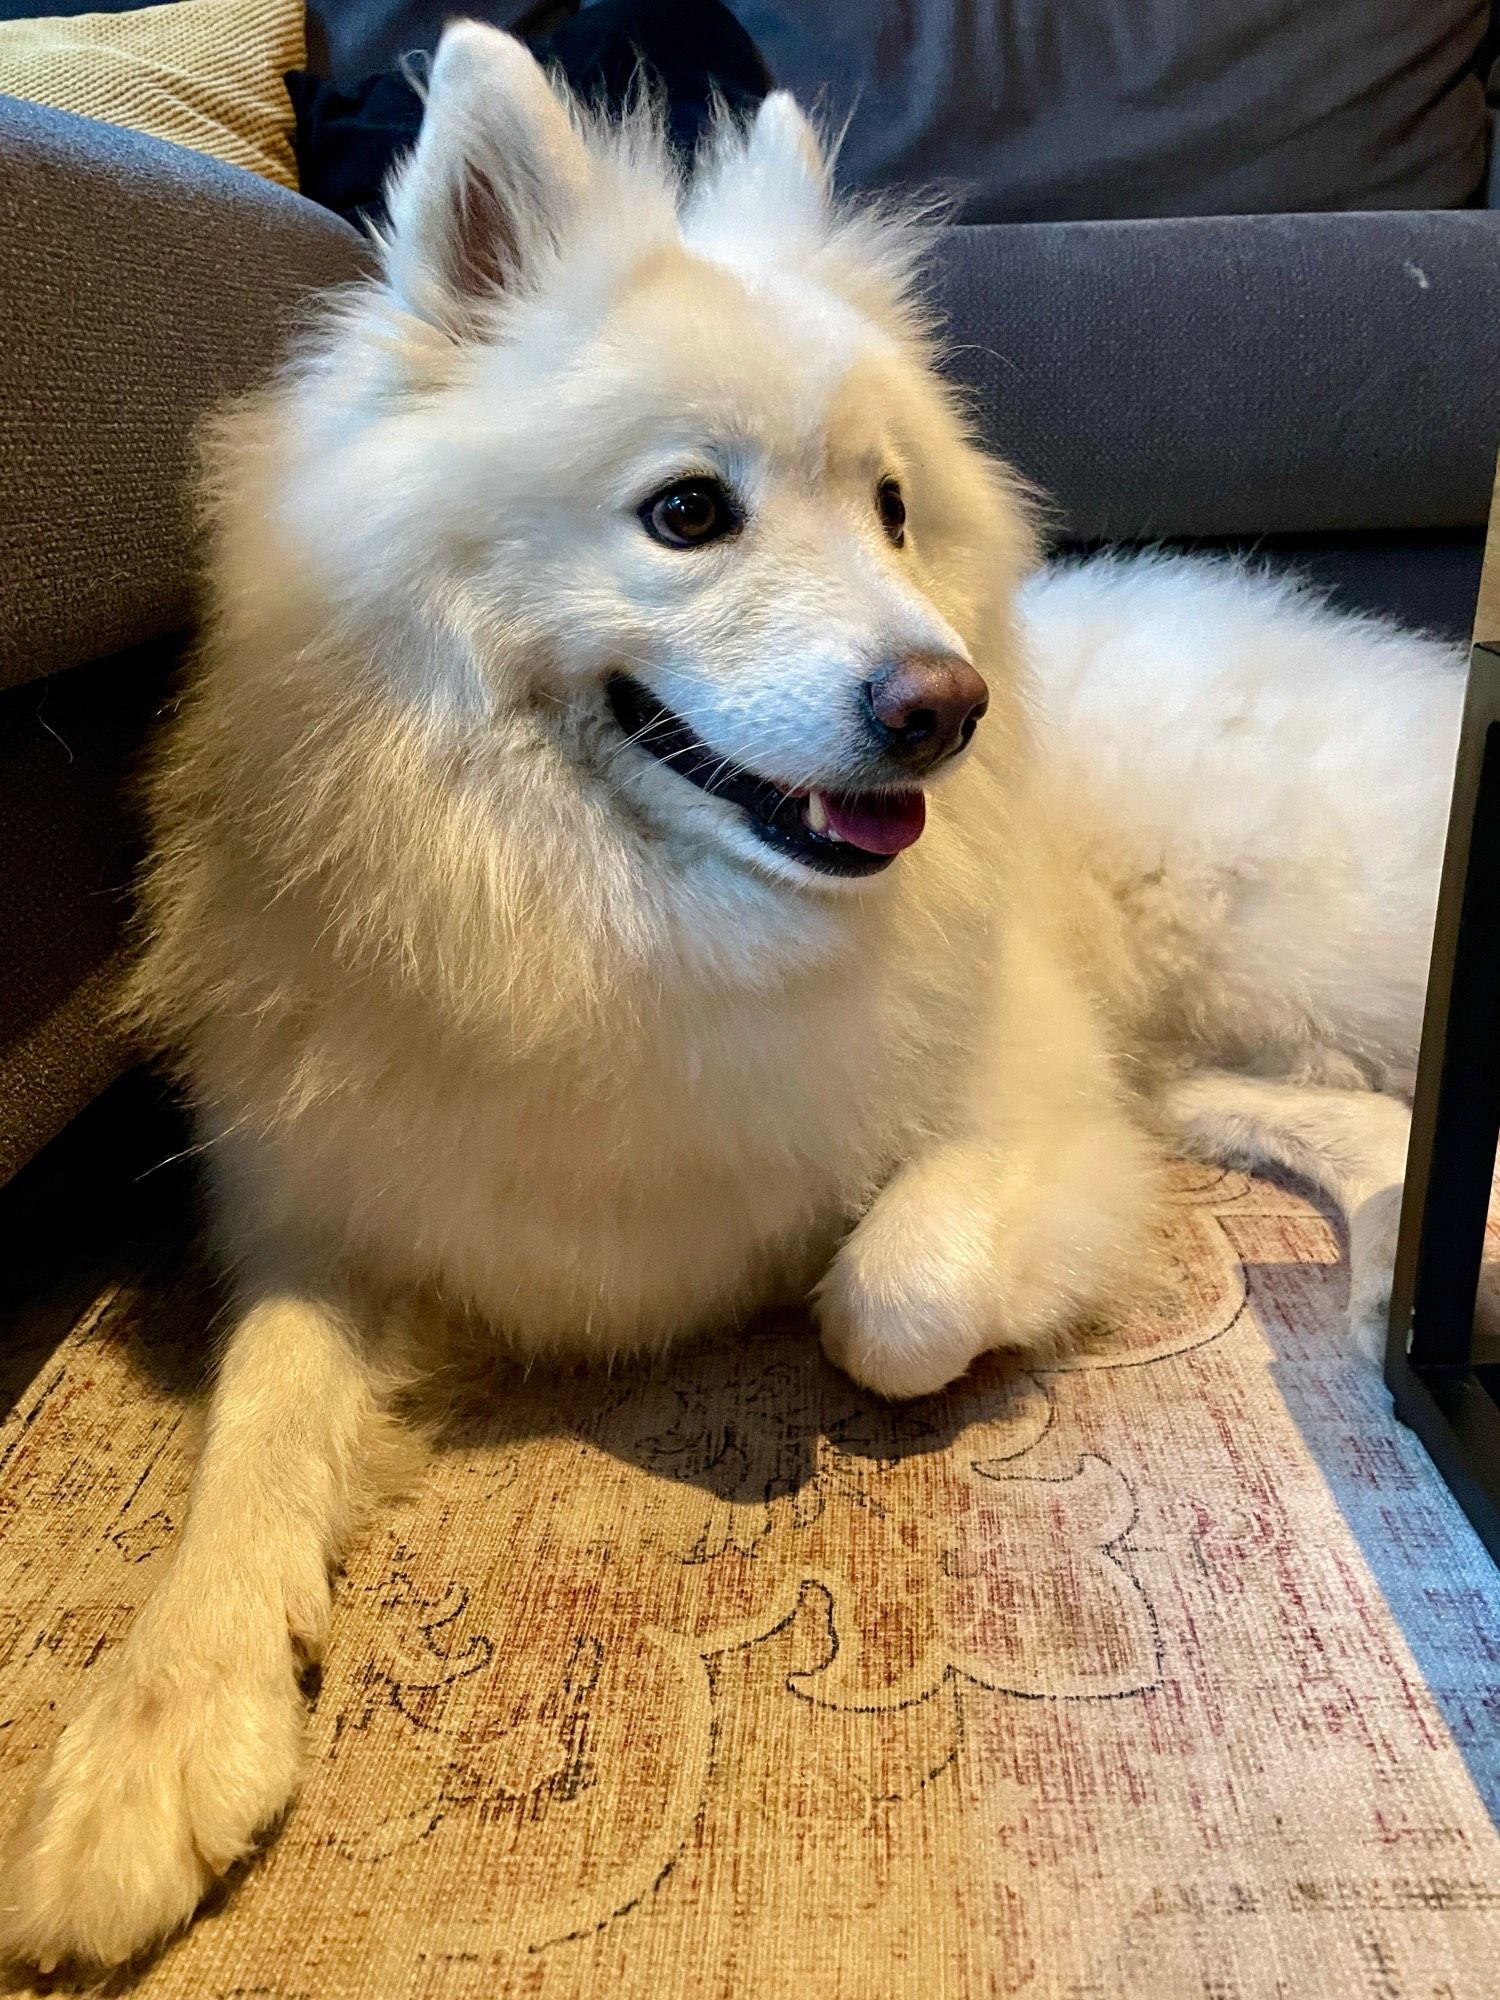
(141, 283)
(1239, 375)
(1050, 110)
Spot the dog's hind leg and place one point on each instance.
(1350, 1144)
(192, 1744)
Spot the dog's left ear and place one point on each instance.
(772, 181)
(498, 168)
(784, 154)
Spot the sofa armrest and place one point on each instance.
(1236, 375)
(141, 283)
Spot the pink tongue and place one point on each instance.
(879, 822)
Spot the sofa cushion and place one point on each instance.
(143, 284)
(1054, 109)
(1267, 374)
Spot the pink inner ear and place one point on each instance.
(486, 247)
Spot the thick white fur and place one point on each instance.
(480, 1004)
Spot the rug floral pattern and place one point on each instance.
(726, 1680)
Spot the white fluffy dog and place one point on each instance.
(540, 914)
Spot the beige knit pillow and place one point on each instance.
(203, 73)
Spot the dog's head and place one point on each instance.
(664, 459)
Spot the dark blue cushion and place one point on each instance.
(1043, 110)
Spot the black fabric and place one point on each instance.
(695, 50)
(350, 40)
(355, 110)
(348, 140)
(71, 840)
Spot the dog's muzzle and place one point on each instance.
(837, 833)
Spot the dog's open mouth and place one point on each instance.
(840, 833)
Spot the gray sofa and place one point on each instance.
(141, 284)
(1326, 387)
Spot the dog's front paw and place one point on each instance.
(154, 1790)
(901, 1328)
(966, 1251)
(912, 1298)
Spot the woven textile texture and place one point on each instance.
(1170, 1672)
(142, 285)
(202, 73)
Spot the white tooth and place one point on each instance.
(817, 813)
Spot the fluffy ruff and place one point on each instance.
(486, 1008)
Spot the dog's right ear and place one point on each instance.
(499, 165)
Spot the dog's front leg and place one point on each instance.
(972, 1247)
(1033, 1215)
(192, 1744)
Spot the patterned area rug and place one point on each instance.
(1172, 1672)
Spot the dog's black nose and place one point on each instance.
(925, 707)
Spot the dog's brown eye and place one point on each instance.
(892, 510)
(692, 512)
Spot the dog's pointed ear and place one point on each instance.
(784, 154)
(769, 182)
(499, 165)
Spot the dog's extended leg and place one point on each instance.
(192, 1744)
(1350, 1144)
(1005, 1236)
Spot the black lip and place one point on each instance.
(776, 816)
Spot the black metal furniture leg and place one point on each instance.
(1443, 1365)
